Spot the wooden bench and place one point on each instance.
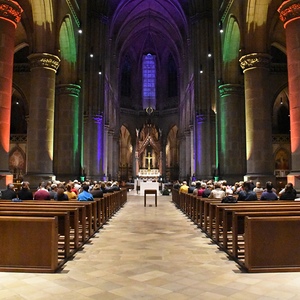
(271, 244)
(76, 222)
(148, 192)
(238, 227)
(224, 213)
(29, 244)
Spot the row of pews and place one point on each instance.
(261, 236)
(40, 236)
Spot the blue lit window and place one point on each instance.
(149, 81)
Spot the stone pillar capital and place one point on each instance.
(44, 60)
(231, 89)
(289, 11)
(97, 119)
(68, 89)
(203, 117)
(10, 11)
(255, 60)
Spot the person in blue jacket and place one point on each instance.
(85, 195)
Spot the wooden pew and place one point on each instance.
(238, 226)
(74, 235)
(271, 244)
(63, 224)
(29, 244)
(224, 217)
(216, 213)
(76, 222)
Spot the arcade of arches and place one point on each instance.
(121, 88)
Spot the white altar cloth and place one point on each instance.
(148, 185)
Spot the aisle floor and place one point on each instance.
(151, 253)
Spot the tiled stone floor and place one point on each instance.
(150, 253)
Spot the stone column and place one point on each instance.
(95, 148)
(259, 153)
(231, 132)
(116, 158)
(67, 132)
(204, 147)
(10, 15)
(106, 150)
(192, 151)
(182, 158)
(188, 174)
(40, 133)
(290, 15)
(110, 153)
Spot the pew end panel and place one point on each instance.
(271, 244)
(29, 244)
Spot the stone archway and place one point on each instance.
(148, 152)
(17, 165)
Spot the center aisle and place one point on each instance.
(157, 253)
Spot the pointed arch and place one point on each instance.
(68, 50)
(231, 46)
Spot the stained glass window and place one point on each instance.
(149, 81)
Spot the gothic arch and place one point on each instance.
(231, 47)
(68, 51)
(280, 116)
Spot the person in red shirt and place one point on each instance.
(42, 193)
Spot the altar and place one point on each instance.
(148, 185)
(149, 173)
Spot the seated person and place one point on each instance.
(229, 197)
(289, 192)
(25, 193)
(192, 187)
(96, 191)
(115, 186)
(246, 193)
(269, 193)
(204, 192)
(9, 193)
(184, 188)
(69, 192)
(258, 188)
(60, 195)
(85, 195)
(217, 192)
(42, 193)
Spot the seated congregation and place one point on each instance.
(244, 219)
(58, 219)
(60, 191)
(241, 191)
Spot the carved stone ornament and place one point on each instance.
(11, 10)
(231, 89)
(289, 10)
(68, 89)
(201, 118)
(97, 119)
(255, 60)
(44, 60)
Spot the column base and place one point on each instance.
(34, 179)
(294, 178)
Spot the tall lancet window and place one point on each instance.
(149, 81)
